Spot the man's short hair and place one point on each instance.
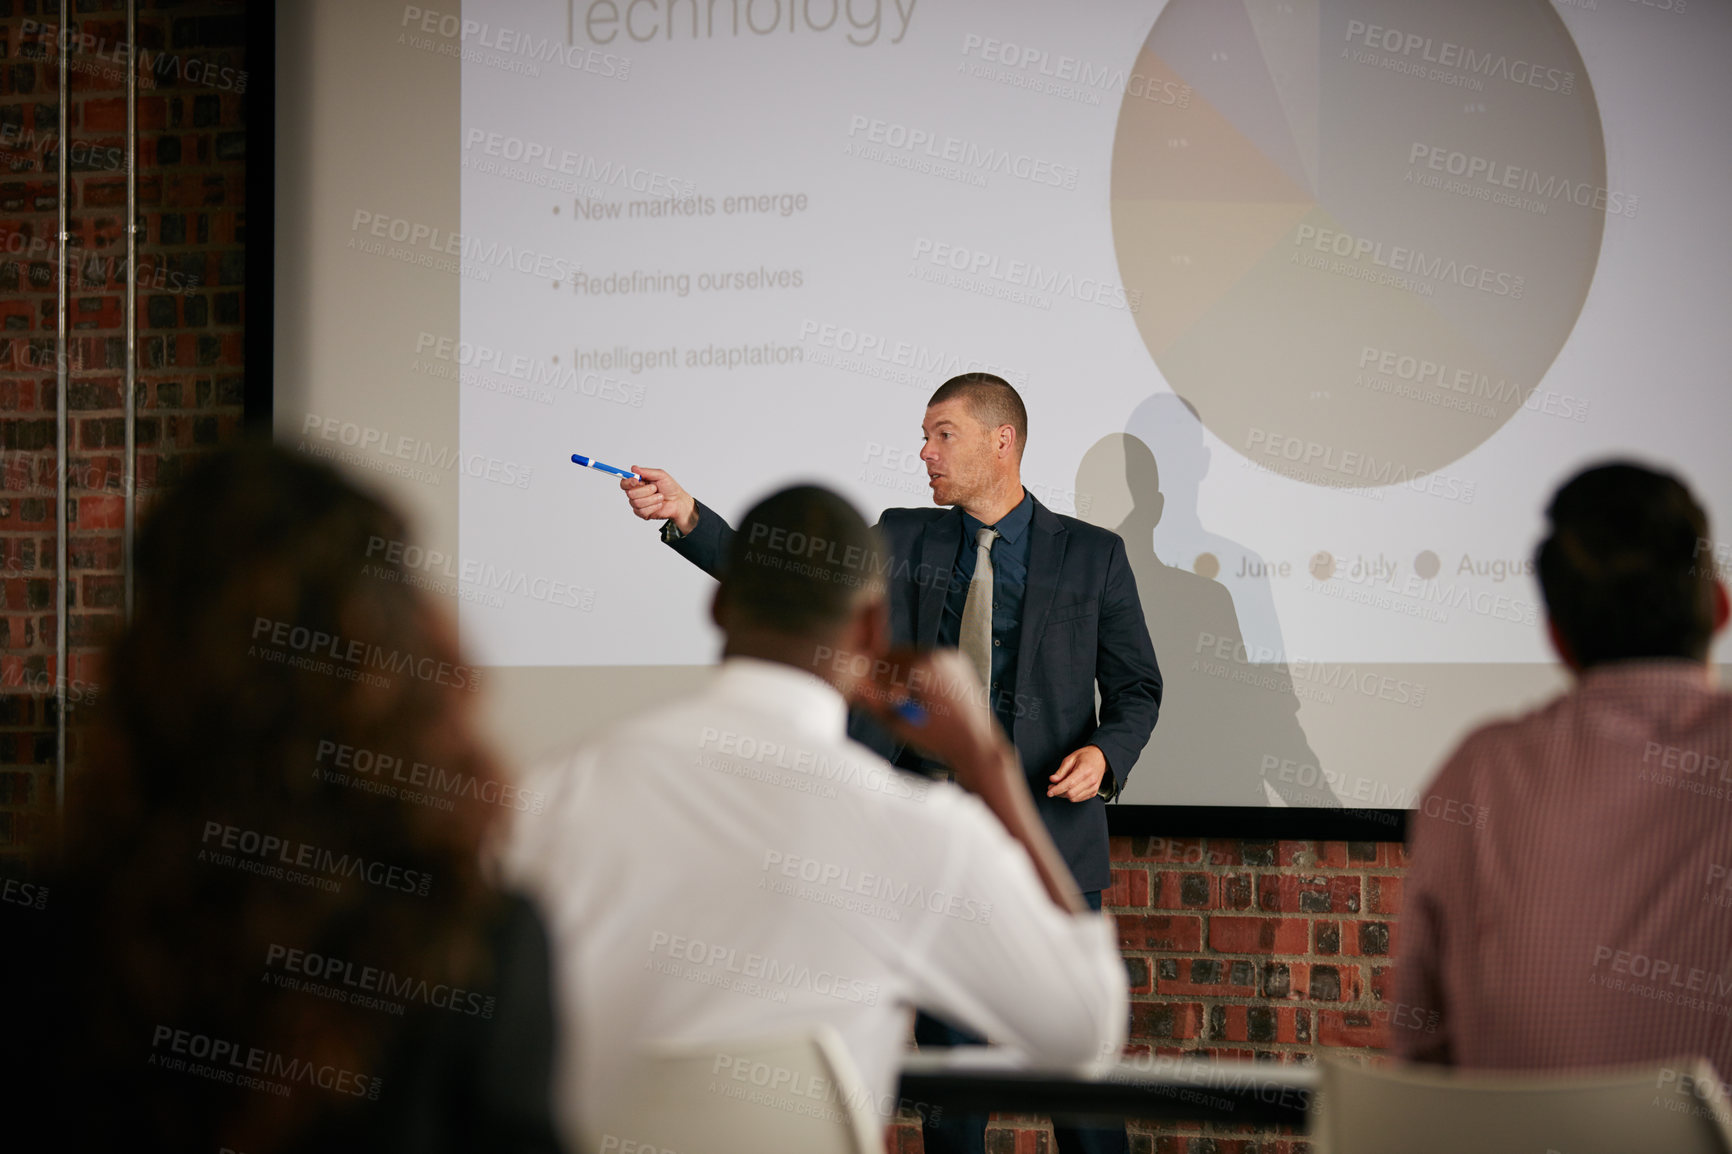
(800, 562)
(1625, 568)
(992, 401)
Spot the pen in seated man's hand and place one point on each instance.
(961, 732)
(1079, 775)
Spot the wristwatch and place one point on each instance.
(1109, 787)
(671, 532)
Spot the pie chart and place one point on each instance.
(1358, 231)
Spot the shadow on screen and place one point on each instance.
(1225, 718)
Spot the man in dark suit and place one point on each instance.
(1045, 606)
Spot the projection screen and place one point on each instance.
(1314, 302)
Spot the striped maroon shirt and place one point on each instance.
(1569, 902)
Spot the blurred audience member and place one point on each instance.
(1570, 898)
(729, 865)
(269, 929)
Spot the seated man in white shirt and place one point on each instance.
(730, 866)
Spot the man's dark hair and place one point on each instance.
(800, 562)
(1623, 568)
(992, 401)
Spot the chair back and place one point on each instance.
(1677, 1106)
(795, 1093)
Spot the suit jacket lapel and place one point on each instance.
(1045, 560)
(932, 573)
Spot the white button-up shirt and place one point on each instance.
(731, 866)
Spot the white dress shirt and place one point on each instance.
(731, 866)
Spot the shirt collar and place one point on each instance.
(1650, 673)
(803, 699)
(1011, 526)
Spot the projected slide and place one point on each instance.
(1314, 302)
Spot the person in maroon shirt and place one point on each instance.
(1569, 902)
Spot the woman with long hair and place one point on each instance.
(271, 929)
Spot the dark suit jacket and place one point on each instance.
(1082, 623)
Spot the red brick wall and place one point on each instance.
(191, 175)
(1242, 949)
(1254, 949)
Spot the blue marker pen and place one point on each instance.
(910, 711)
(592, 463)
